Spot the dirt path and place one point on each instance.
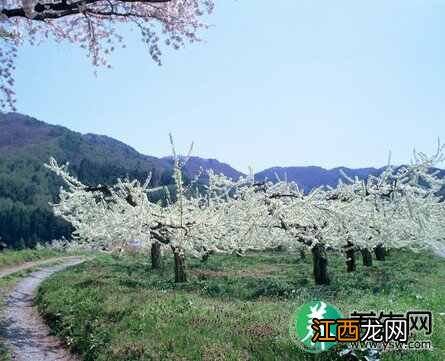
(25, 332)
(9, 270)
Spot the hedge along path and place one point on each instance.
(26, 334)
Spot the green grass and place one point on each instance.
(10, 258)
(232, 309)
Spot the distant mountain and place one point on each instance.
(311, 177)
(24, 136)
(199, 166)
(26, 186)
(17, 131)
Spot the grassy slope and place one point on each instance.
(232, 309)
(11, 258)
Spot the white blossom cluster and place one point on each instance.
(96, 26)
(400, 208)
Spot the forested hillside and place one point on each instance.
(26, 187)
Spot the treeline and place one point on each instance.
(22, 226)
(26, 189)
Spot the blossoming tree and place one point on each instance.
(193, 222)
(95, 25)
(400, 208)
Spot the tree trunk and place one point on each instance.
(280, 248)
(367, 257)
(205, 256)
(379, 251)
(350, 257)
(180, 275)
(320, 261)
(156, 255)
(302, 254)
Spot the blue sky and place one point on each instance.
(288, 82)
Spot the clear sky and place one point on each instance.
(284, 82)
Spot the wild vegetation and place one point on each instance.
(232, 308)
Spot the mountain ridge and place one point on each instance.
(309, 177)
(26, 187)
(192, 167)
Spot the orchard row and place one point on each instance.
(401, 208)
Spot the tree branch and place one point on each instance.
(63, 9)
